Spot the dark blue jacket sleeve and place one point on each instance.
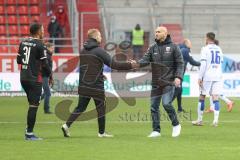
(188, 58)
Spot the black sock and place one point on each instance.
(31, 118)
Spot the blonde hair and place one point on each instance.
(92, 33)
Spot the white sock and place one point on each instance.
(216, 115)
(211, 103)
(225, 99)
(200, 112)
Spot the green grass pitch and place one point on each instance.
(130, 126)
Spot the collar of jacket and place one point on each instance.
(181, 46)
(90, 44)
(167, 41)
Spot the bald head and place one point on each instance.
(161, 33)
(188, 43)
(162, 28)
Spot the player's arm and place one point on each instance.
(190, 59)
(202, 69)
(222, 57)
(203, 65)
(147, 58)
(194, 62)
(51, 80)
(178, 58)
(46, 67)
(112, 62)
(44, 61)
(19, 58)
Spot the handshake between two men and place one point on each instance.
(136, 65)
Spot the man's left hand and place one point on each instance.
(177, 82)
(51, 82)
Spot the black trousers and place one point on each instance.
(178, 95)
(82, 106)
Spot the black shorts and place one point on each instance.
(33, 91)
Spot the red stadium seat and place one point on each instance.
(1, 2)
(24, 20)
(23, 2)
(14, 40)
(24, 30)
(3, 49)
(12, 30)
(12, 20)
(13, 49)
(3, 29)
(10, 2)
(34, 10)
(1, 10)
(35, 18)
(3, 40)
(23, 10)
(2, 20)
(11, 10)
(34, 2)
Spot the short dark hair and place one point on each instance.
(211, 36)
(216, 42)
(34, 28)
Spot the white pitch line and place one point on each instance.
(51, 122)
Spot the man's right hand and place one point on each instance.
(51, 81)
(200, 83)
(134, 64)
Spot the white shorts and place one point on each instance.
(211, 88)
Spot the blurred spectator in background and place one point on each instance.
(185, 48)
(47, 80)
(55, 31)
(61, 16)
(50, 4)
(137, 38)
